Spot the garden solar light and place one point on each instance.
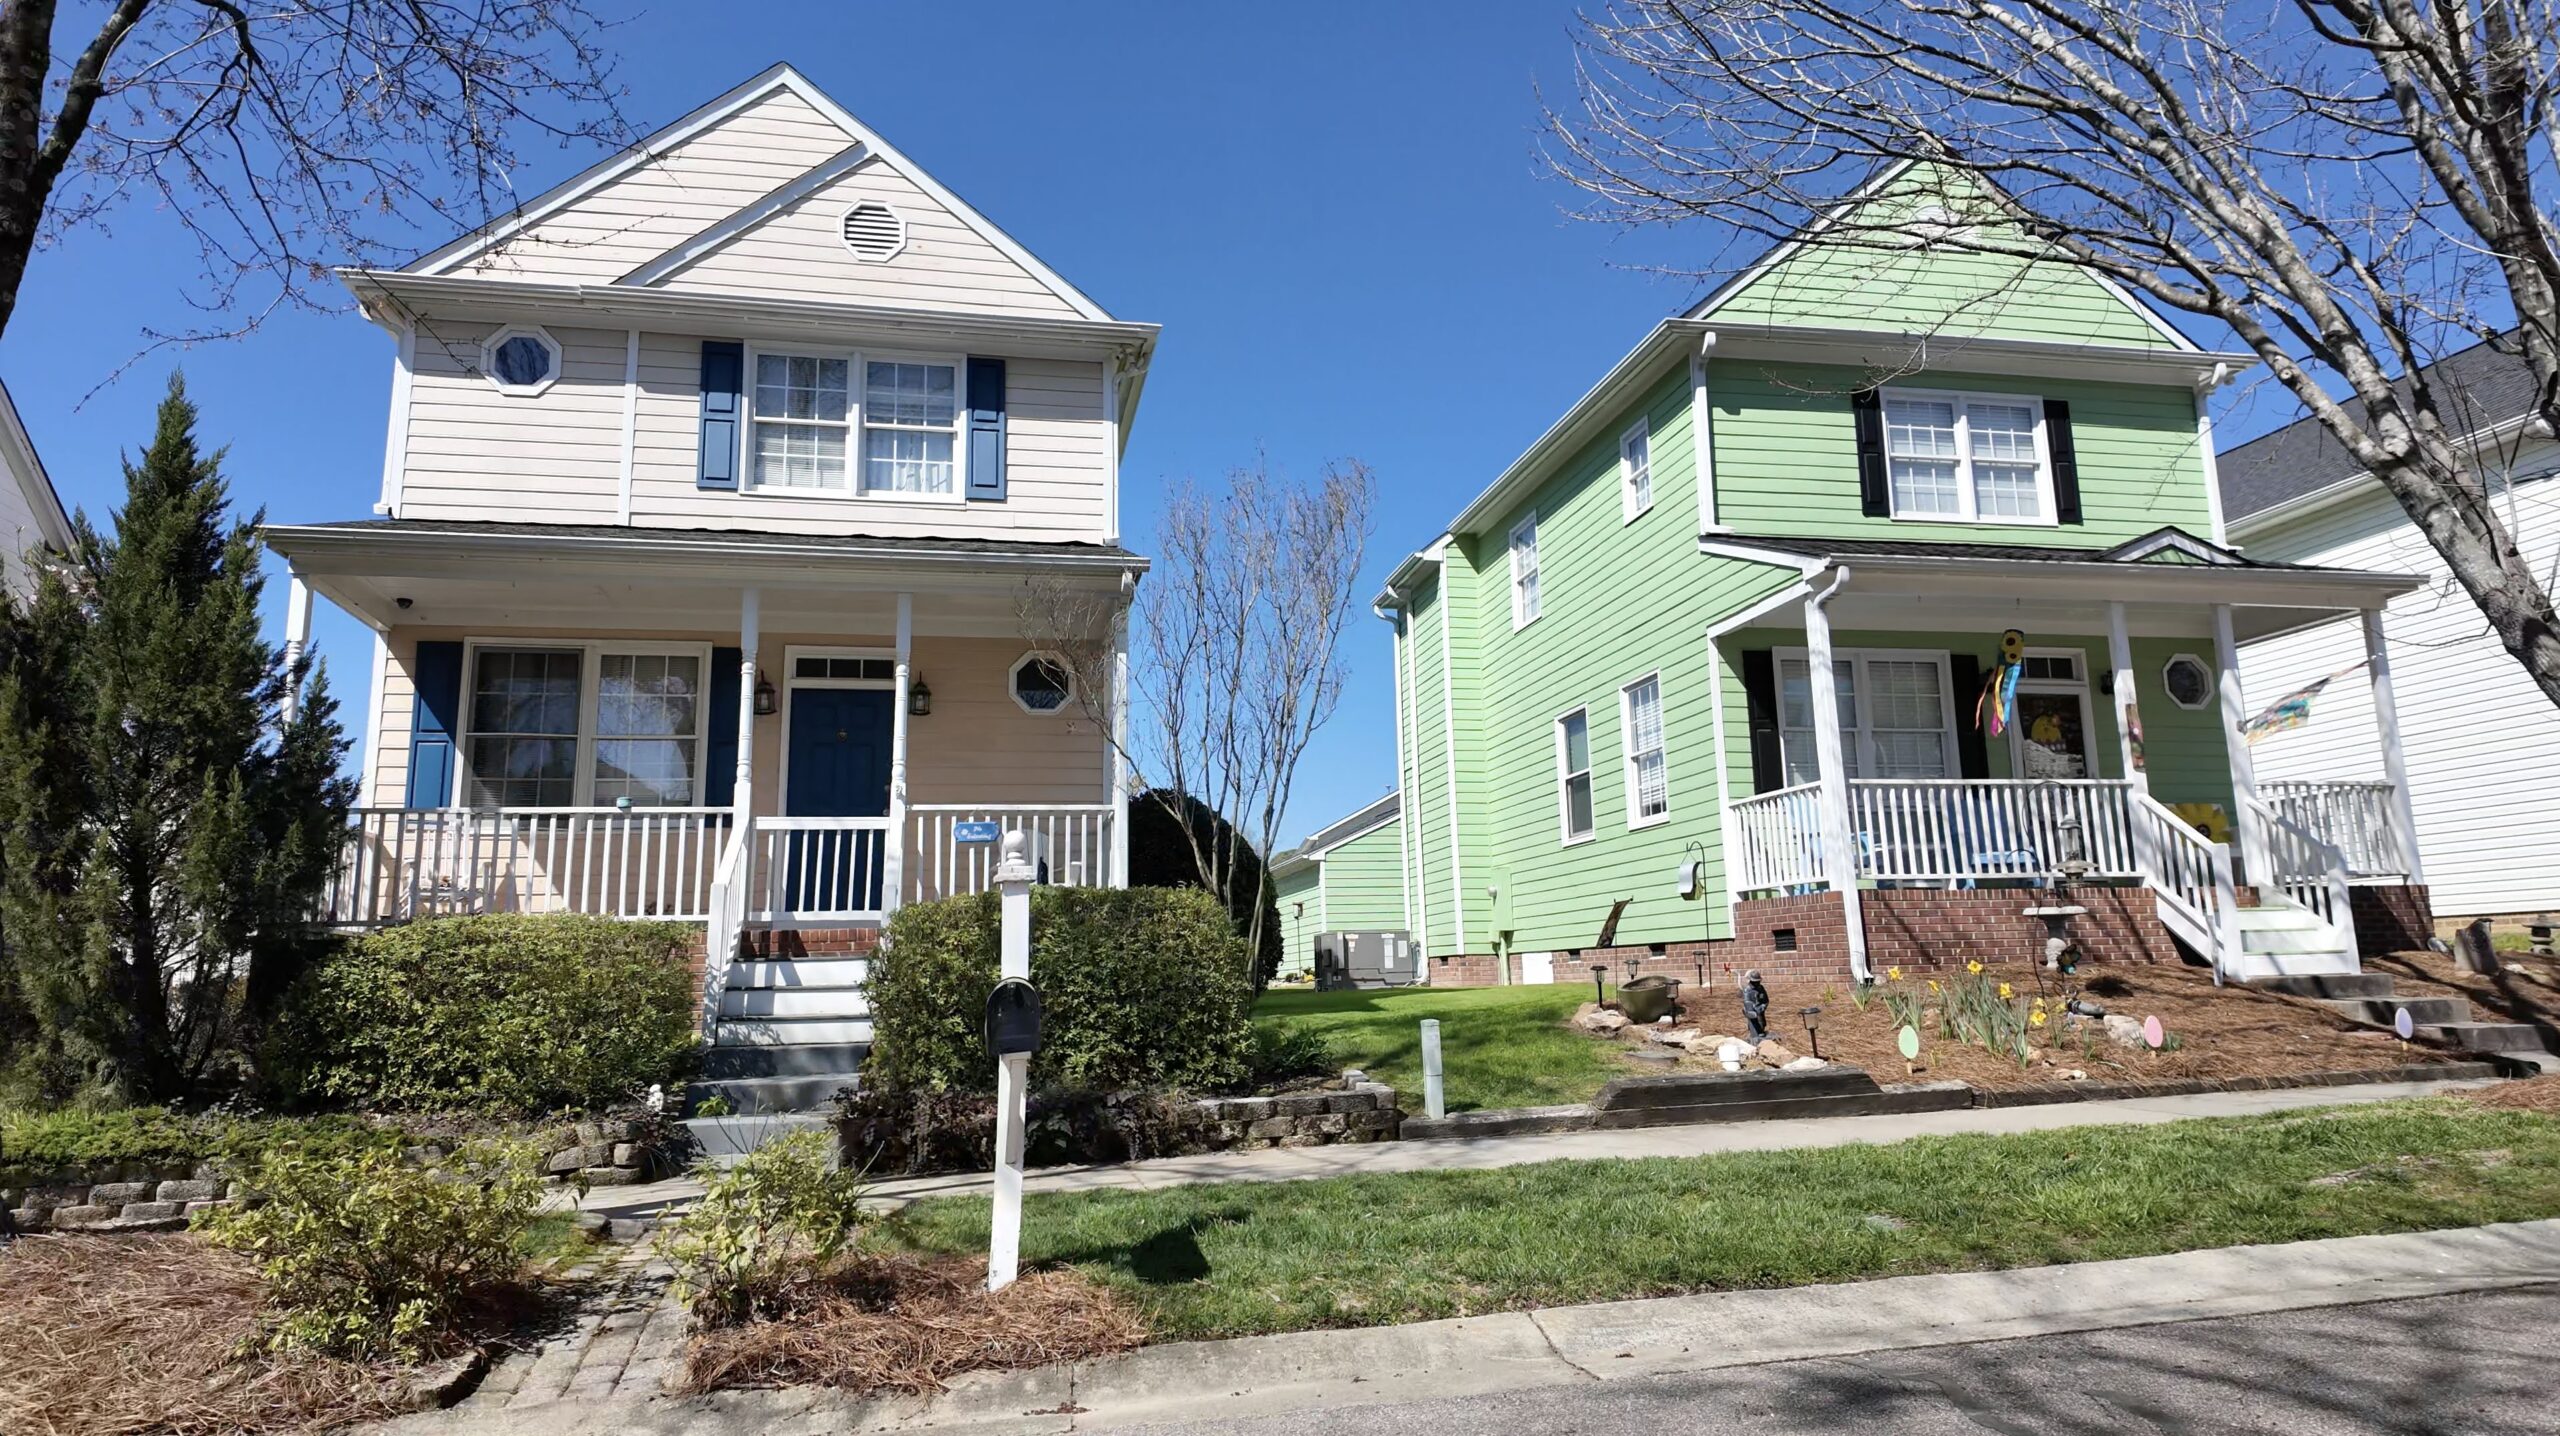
(1812, 1033)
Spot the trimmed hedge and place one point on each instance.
(521, 1014)
(1140, 987)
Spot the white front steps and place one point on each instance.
(791, 1033)
(2287, 941)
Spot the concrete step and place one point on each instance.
(2338, 985)
(2486, 1036)
(2289, 939)
(769, 1096)
(2256, 919)
(790, 1031)
(807, 1059)
(2383, 1011)
(726, 1139)
(801, 972)
(838, 1002)
(2264, 966)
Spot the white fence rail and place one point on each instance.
(819, 869)
(1952, 829)
(401, 864)
(2355, 818)
(2191, 882)
(2311, 873)
(1070, 846)
(1779, 835)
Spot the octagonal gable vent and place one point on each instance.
(874, 231)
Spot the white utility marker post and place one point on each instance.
(1013, 1070)
(1433, 1105)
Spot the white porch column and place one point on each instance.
(297, 642)
(2128, 704)
(1118, 877)
(742, 799)
(2395, 763)
(1839, 843)
(2254, 853)
(893, 884)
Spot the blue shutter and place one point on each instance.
(724, 373)
(720, 750)
(986, 428)
(434, 716)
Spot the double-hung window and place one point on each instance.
(572, 725)
(815, 430)
(1635, 470)
(1640, 724)
(1573, 776)
(1524, 572)
(1896, 715)
(1975, 458)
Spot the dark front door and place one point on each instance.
(839, 769)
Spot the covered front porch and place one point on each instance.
(727, 729)
(2124, 761)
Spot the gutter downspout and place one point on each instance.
(1840, 854)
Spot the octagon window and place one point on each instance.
(2188, 680)
(521, 361)
(1042, 683)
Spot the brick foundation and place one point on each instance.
(2391, 917)
(786, 944)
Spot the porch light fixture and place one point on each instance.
(767, 702)
(919, 697)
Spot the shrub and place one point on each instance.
(1160, 857)
(1284, 1051)
(366, 1255)
(913, 1132)
(529, 1014)
(1141, 987)
(764, 1226)
(35, 1144)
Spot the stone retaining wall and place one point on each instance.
(124, 1199)
(608, 1153)
(1366, 1112)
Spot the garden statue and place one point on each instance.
(1755, 1008)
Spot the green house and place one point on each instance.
(1699, 679)
(1348, 876)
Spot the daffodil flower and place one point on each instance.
(1933, 984)
(1893, 974)
(2036, 1018)
(1973, 965)
(2004, 992)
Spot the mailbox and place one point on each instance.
(1013, 1018)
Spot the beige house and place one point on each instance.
(31, 515)
(716, 481)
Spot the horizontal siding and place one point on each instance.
(1300, 897)
(18, 534)
(800, 251)
(477, 454)
(2481, 741)
(1364, 883)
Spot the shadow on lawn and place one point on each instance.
(1169, 1257)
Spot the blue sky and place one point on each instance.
(1336, 212)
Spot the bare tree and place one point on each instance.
(284, 137)
(2347, 185)
(1236, 652)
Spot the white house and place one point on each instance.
(716, 481)
(31, 515)
(2482, 743)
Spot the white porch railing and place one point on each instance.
(2310, 872)
(1071, 846)
(1780, 837)
(2356, 818)
(2191, 882)
(1952, 829)
(818, 870)
(401, 864)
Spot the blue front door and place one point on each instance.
(839, 769)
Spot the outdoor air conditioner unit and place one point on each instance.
(1376, 958)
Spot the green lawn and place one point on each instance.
(1240, 1258)
(1499, 1046)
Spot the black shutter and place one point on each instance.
(2066, 460)
(1760, 701)
(1964, 674)
(1875, 491)
(720, 739)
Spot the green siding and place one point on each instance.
(1787, 456)
(1938, 290)
(1301, 901)
(1363, 888)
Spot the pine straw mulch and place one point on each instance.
(2535, 1094)
(2525, 988)
(103, 1336)
(2229, 1031)
(906, 1324)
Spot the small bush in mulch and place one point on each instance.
(110, 1335)
(904, 1324)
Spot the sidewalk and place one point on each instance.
(1299, 1164)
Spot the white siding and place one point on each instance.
(695, 185)
(2483, 742)
(474, 453)
(18, 531)
(800, 253)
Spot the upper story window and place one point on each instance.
(1524, 573)
(805, 413)
(1648, 779)
(1573, 775)
(1967, 458)
(1635, 470)
(520, 361)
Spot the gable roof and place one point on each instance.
(778, 78)
(2487, 389)
(26, 469)
(1367, 820)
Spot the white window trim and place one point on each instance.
(2072, 687)
(489, 359)
(1967, 501)
(1857, 659)
(1565, 835)
(2211, 681)
(1628, 508)
(855, 426)
(1519, 618)
(1627, 749)
(1053, 659)
(590, 686)
(892, 211)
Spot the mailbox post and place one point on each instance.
(1013, 1068)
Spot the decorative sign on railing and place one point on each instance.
(974, 833)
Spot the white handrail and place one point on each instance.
(1779, 834)
(2191, 882)
(727, 923)
(2355, 817)
(2310, 873)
